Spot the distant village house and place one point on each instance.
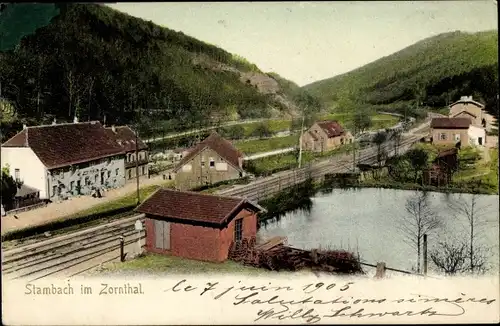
(197, 226)
(213, 160)
(126, 138)
(325, 136)
(457, 132)
(468, 108)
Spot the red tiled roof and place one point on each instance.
(331, 127)
(65, 144)
(193, 206)
(468, 100)
(220, 145)
(125, 137)
(450, 123)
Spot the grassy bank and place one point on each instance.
(297, 197)
(266, 145)
(155, 264)
(272, 164)
(379, 121)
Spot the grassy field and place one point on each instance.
(156, 264)
(273, 125)
(266, 145)
(379, 121)
(476, 169)
(272, 164)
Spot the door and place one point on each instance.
(480, 140)
(162, 235)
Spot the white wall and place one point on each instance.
(31, 170)
(66, 180)
(475, 133)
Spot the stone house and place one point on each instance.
(213, 160)
(63, 160)
(197, 226)
(457, 132)
(136, 151)
(468, 108)
(325, 136)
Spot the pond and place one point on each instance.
(368, 221)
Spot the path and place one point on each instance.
(56, 210)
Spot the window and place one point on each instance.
(130, 173)
(54, 190)
(96, 178)
(132, 157)
(457, 137)
(212, 162)
(109, 174)
(87, 181)
(117, 171)
(202, 164)
(143, 172)
(17, 175)
(238, 230)
(442, 136)
(71, 185)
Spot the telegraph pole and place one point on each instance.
(300, 140)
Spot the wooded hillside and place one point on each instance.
(435, 71)
(95, 62)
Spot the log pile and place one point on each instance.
(275, 255)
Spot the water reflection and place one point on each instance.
(367, 220)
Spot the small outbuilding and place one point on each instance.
(195, 225)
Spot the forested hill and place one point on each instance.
(96, 62)
(437, 70)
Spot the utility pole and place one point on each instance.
(137, 163)
(300, 140)
(425, 254)
(354, 151)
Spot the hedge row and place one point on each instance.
(63, 223)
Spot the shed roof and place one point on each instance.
(450, 123)
(67, 143)
(187, 206)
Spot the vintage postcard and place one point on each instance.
(249, 163)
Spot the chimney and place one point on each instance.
(75, 119)
(113, 128)
(240, 162)
(54, 122)
(24, 126)
(463, 98)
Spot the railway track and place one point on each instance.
(70, 255)
(75, 253)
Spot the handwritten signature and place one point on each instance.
(277, 304)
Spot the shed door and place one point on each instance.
(162, 235)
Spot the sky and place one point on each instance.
(310, 41)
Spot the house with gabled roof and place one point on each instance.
(324, 136)
(473, 110)
(459, 132)
(195, 225)
(212, 160)
(64, 160)
(136, 151)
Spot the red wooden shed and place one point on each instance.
(197, 226)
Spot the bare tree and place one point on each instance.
(419, 220)
(450, 257)
(454, 257)
(474, 212)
